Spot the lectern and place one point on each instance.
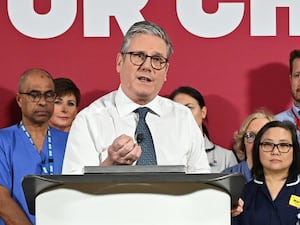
(133, 197)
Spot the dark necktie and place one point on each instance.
(297, 120)
(144, 139)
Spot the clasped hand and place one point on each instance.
(123, 151)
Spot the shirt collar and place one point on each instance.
(293, 182)
(126, 106)
(296, 110)
(209, 146)
(289, 182)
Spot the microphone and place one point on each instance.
(139, 138)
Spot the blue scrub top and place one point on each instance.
(260, 209)
(242, 168)
(18, 158)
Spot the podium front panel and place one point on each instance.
(133, 198)
(67, 206)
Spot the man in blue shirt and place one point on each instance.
(30, 147)
(293, 113)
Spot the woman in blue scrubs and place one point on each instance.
(273, 196)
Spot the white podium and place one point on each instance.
(139, 198)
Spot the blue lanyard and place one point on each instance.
(50, 152)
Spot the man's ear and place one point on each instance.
(166, 71)
(19, 99)
(119, 61)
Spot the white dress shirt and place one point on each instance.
(176, 136)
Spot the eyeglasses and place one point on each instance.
(281, 147)
(249, 136)
(138, 58)
(296, 76)
(35, 96)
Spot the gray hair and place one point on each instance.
(146, 27)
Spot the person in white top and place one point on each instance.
(104, 133)
(219, 158)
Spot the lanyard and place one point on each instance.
(297, 120)
(50, 152)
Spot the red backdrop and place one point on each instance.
(236, 72)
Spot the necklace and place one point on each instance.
(50, 150)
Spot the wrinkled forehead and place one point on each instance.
(148, 43)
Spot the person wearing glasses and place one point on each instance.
(29, 147)
(219, 158)
(103, 134)
(243, 142)
(272, 197)
(65, 105)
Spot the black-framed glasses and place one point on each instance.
(249, 136)
(281, 147)
(138, 58)
(36, 96)
(296, 76)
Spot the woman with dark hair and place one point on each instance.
(65, 105)
(272, 197)
(219, 158)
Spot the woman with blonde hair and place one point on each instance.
(243, 141)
